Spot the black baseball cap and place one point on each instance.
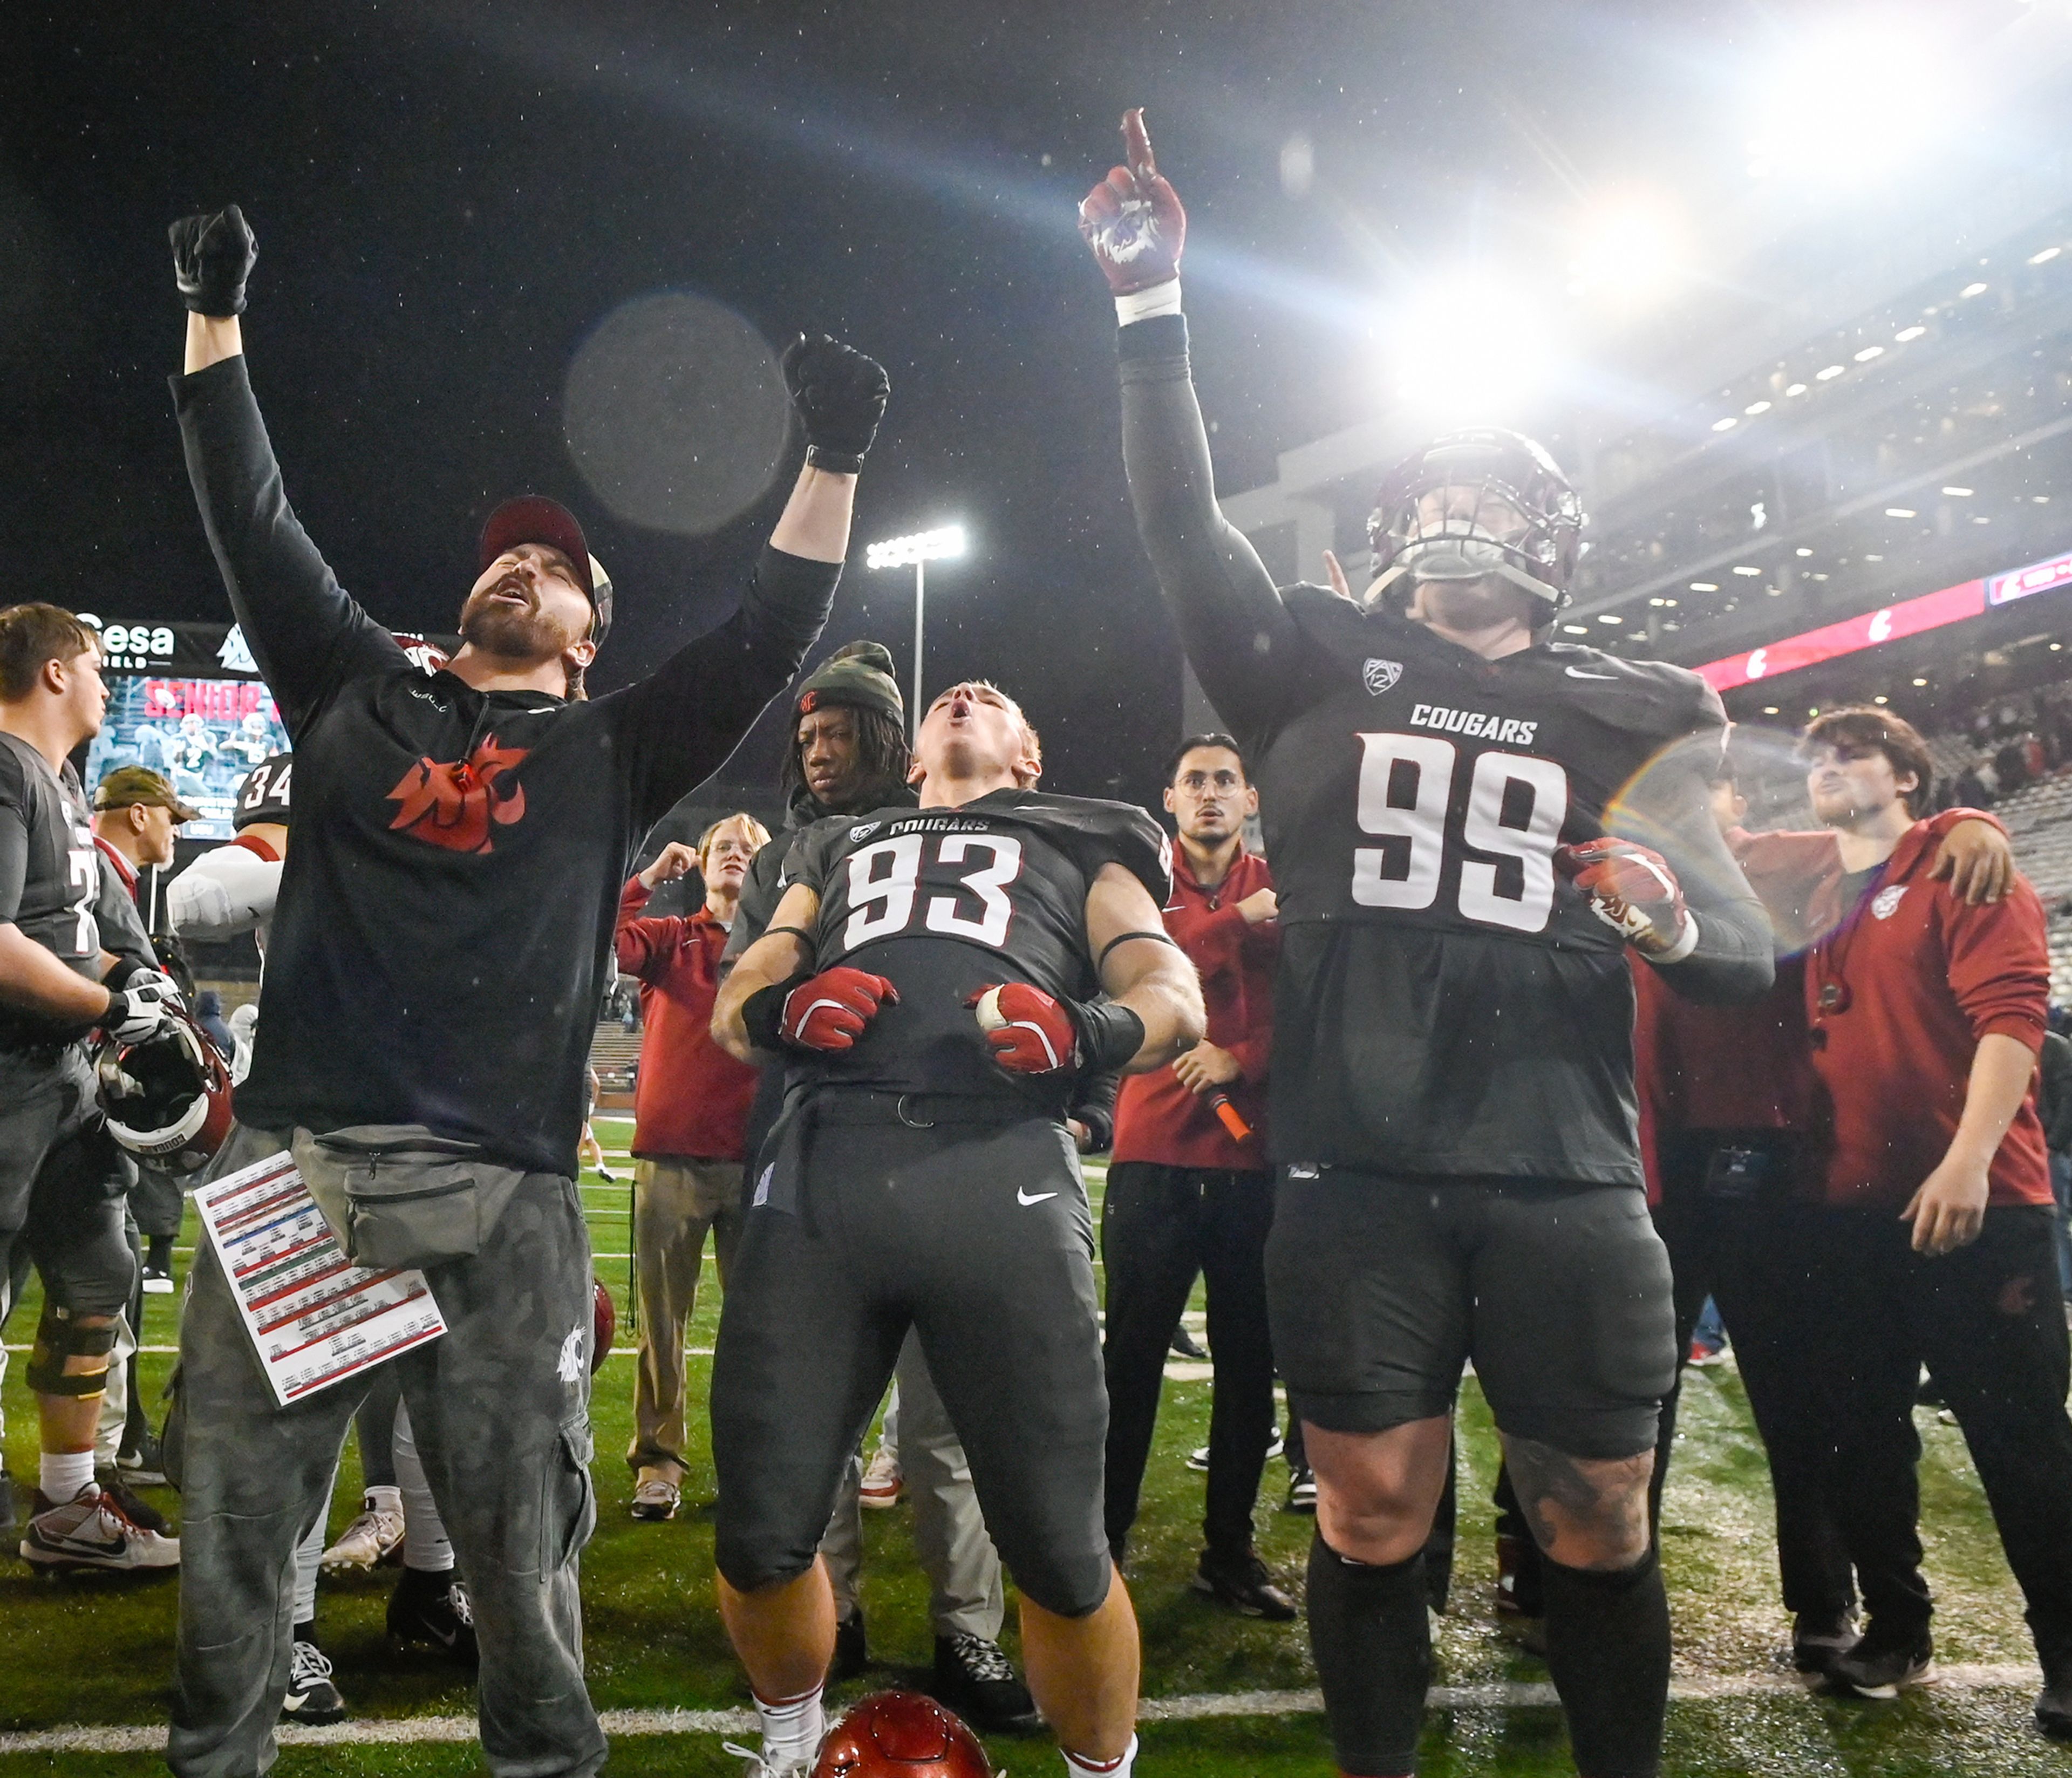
(533, 518)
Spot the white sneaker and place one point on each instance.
(882, 1484)
(759, 1767)
(372, 1538)
(91, 1530)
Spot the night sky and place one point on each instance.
(449, 198)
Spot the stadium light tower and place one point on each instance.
(1470, 349)
(919, 548)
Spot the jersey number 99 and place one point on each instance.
(1406, 793)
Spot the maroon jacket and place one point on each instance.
(1920, 978)
(1158, 1119)
(691, 1099)
(1746, 1067)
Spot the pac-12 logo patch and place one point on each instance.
(858, 834)
(1885, 903)
(1377, 675)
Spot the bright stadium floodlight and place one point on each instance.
(1630, 246)
(916, 549)
(1470, 349)
(1852, 103)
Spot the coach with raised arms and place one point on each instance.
(432, 981)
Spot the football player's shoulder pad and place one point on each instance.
(1095, 831)
(1649, 698)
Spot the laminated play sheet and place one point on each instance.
(315, 1318)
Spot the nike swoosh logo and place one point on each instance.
(1021, 1196)
(1577, 673)
(448, 1637)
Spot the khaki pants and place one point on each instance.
(675, 1201)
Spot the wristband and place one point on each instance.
(763, 1012)
(1142, 305)
(836, 462)
(1110, 1034)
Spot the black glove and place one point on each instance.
(213, 256)
(840, 395)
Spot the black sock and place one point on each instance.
(160, 1256)
(1373, 1649)
(1608, 1650)
(306, 1632)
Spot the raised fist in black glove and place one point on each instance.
(213, 256)
(840, 395)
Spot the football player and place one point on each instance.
(1452, 1100)
(930, 975)
(62, 1176)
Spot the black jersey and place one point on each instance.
(1445, 1004)
(50, 877)
(436, 953)
(942, 901)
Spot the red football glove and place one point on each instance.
(1035, 1034)
(1133, 218)
(1632, 889)
(829, 1012)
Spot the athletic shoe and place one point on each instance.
(1816, 1641)
(1701, 1353)
(158, 1282)
(92, 1530)
(882, 1484)
(142, 1464)
(759, 1767)
(1198, 1459)
(430, 1606)
(975, 1678)
(312, 1697)
(1301, 1491)
(2053, 1708)
(375, 1536)
(1881, 1667)
(1244, 1585)
(605, 1172)
(852, 1652)
(656, 1498)
(1186, 1345)
(132, 1506)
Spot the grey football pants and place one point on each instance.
(500, 1406)
(950, 1538)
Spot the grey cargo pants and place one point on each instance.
(500, 1406)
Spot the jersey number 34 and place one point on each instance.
(1514, 808)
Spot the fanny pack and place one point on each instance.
(399, 1194)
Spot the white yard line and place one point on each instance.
(1510, 1694)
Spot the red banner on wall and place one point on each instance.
(1887, 623)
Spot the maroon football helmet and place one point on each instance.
(167, 1098)
(425, 655)
(604, 1324)
(901, 1735)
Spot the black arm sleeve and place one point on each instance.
(1093, 1104)
(306, 633)
(678, 725)
(1238, 634)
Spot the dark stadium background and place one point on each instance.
(450, 196)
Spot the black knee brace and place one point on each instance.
(60, 1338)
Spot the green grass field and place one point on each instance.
(97, 1651)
